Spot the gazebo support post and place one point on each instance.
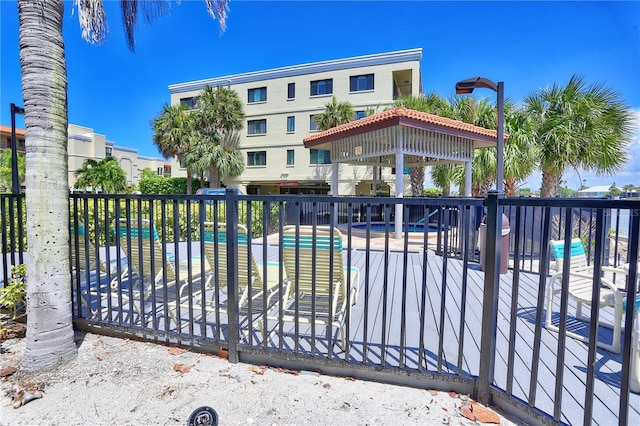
(467, 178)
(334, 189)
(399, 193)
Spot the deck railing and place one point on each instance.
(414, 311)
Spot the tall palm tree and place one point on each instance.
(49, 339)
(579, 126)
(433, 104)
(106, 174)
(335, 113)
(175, 133)
(218, 118)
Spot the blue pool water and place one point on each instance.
(380, 227)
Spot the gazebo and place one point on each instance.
(401, 138)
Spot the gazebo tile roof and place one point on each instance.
(400, 114)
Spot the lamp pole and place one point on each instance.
(495, 220)
(15, 184)
(466, 87)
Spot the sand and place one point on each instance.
(120, 382)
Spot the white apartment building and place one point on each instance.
(280, 104)
(84, 143)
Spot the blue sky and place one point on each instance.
(528, 45)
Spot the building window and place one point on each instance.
(257, 127)
(291, 124)
(257, 158)
(360, 114)
(160, 171)
(291, 91)
(190, 102)
(313, 125)
(257, 95)
(320, 156)
(108, 151)
(358, 83)
(291, 156)
(322, 87)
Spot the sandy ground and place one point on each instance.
(124, 382)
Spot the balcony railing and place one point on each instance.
(320, 283)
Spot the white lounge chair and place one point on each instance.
(317, 281)
(580, 283)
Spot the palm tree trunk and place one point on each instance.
(550, 184)
(416, 174)
(510, 188)
(44, 89)
(189, 189)
(215, 177)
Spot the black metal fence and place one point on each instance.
(322, 283)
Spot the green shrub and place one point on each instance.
(12, 297)
(432, 192)
(166, 185)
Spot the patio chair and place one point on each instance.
(580, 283)
(85, 263)
(248, 269)
(316, 286)
(83, 256)
(148, 264)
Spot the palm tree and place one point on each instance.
(174, 133)
(105, 174)
(6, 168)
(49, 339)
(433, 104)
(578, 126)
(218, 118)
(480, 113)
(221, 158)
(335, 113)
(442, 176)
(520, 150)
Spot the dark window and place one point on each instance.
(361, 82)
(291, 124)
(319, 156)
(313, 125)
(257, 158)
(258, 95)
(291, 91)
(290, 157)
(257, 127)
(108, 151)
(190, 102)
(322, 87)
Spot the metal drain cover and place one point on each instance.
(203, 416)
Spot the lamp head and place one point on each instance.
(467, 86)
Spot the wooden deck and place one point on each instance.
(461, 319)
(389, 328)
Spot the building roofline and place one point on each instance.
(302, 69)
(7, 129)
(405, 117)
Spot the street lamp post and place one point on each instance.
(493, 246)
(15, 183)
(466, 87)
